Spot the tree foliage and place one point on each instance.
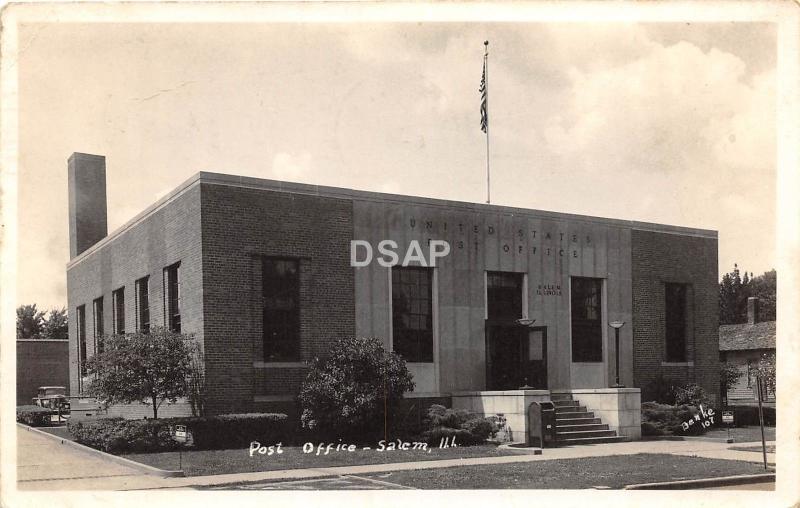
(355, 391)
(729, 374)
(142, 367)
(197, 380)
(735, 289)
(29, 322)
(35, 324)
(765, 368)
(55, 327)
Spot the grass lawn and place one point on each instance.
(743, 434)
(208, 462)
(770, 448)
(613, 472)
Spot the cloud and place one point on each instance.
(292, 167)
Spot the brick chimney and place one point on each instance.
(752, 310)
(87, 201)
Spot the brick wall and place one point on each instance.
(40, 363)
(168, 235)
(659, 258)
(240, 225)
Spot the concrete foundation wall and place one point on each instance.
(620, 408)
(512, 404)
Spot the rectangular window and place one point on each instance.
(97, 314)
(412, 313)
(143, 304)
(172, 300)
(587, 320)
(80, 326)
(280, 289)
(504, 295)
(118, 311)
(675, 320)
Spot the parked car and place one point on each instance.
(52, 397)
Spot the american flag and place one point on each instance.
(484, 109)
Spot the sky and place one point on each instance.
(661, 122)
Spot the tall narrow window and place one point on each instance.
(281, 311)
(118, 311)
(97, 314)
(172, 297)
(587, 320)
(504, 295)
(143, 304)
(412, 313)
(675, 320)
(80, 326)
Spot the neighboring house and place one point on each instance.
(40, 363)
(744, 345)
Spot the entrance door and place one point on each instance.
(505, 350)
(536, 368)
(517, 357)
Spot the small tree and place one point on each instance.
(729, 374)
(142, 367)
(766, 369)
(197, 380)
(355, 391)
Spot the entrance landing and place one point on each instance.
(583, 415)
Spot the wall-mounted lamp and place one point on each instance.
(525, 322)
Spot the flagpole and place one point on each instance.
(486, 67)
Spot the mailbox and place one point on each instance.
(542, 424)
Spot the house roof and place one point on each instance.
(746, 336)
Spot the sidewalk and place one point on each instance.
(685, 448)
(44, 464)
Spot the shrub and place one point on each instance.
(468, 428)
(661, 390)
(236, 430)
(664, 419)
(117, 435)
(34, 416)
(355, 391)
(692, 395)
(748, 415)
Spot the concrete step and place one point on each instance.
(584, 426)
(560, 396)
(588, 440)
(570, 409)
(583, 434)
(574, 414)
(576, 421)
(565, 403)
